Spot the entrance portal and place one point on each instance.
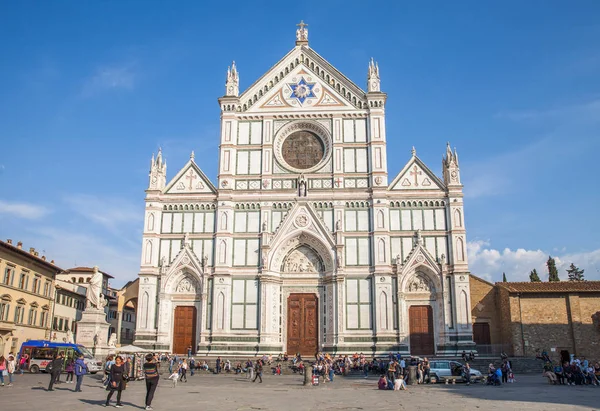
(303, 327)
(184, 330)
(421, 330)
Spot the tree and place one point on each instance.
(534, 277)
(552, 271)
(575, 274)
(503, 277)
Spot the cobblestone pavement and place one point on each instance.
(230, 392)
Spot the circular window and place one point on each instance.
(302, 150)
(302, 146)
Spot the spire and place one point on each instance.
(192, 155)
(158, 172)
(302, 34)
(232, 84)
(450, 166)
(413, 151)
(373, 80)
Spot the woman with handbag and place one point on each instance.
(117, 381)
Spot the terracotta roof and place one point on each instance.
(551, 287)
(27, 254)
(85, 270)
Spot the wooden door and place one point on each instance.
(184, 329)
(303, 324)
(421, 330)
(481, 333)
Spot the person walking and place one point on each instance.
(184, 367)
(258, 369)
(70, 370)
(116, 381)
(80, 370)
(249, 369)
(3, 370)
(56, 369)
(11, 368)
(218, 365)
(151, 374)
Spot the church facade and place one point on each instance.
(304, 243)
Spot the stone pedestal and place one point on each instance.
(92, 332)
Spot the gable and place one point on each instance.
(416, 176)
(190, 179)
(302, 80)
(302, 217)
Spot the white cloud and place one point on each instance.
(110, 212)
(489, 263)
(115, 77)
(77, 248)
(588, 111)
(23, 210)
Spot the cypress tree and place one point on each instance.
(534, 277)
(503, 277)
(552, 271)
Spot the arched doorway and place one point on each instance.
(184, 329)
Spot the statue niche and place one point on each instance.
(303, 260)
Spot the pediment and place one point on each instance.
(190, 179)
(419, 256)
(300, 218)
(416, 176)
(302, 80)
(186, 265)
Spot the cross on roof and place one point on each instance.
(302, 24)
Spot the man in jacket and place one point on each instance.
(80, 371)
(56, 369)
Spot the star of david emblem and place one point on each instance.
(302, 90)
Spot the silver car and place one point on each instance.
(441, 370)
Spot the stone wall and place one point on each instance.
(484, 306)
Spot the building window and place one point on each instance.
(19, 312)
(8, 275)
(47, 289)
(44, 319)
(32, 319)
(358, 304)
(22, 281)
(73, 279)
(36, 285)
(80, 279)
(4, 310)
(244, 304)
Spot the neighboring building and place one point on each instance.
(525, 319)
(26, 295)
(70, 303)
(122, 312)
(304, 243)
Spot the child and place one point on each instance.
(175, 377)
(400, 384)
(511, 377)
(382, 383)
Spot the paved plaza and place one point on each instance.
(231, 392)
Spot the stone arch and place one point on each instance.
(381, 250)
(223, 252)
(429, 275)
(294, 241)
(380, 219)
(150, 226)
(383, 311)
(301, 259)
(223, 221)
(221, 311)
(457, 218)
(460, 249)
(148, 252)
(144, 310)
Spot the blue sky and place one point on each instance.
(91, 89)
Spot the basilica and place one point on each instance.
(304, 243)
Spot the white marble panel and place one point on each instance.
(430, 245)
(242, 162)
(417, 219)
(352, 321)
(209, 222)
(237, 295)
(361, 160)
(363, 251)
(348, 130)
(394, 220)
(406, 220)
(251, 316)
(441, 247)
(361, 130)
(237, 316)
(199, 223)
(252, 252)
(188, 220)
(407, 244)
(256, 132)
(167, 219)
(440, 219)
(239, 252)
(350, 220)
(428, 220)
(349, 163)
(255, 165)
(362, 218)
(253, 221)
(241, 221)
(244, 133)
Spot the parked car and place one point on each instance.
(441, 370)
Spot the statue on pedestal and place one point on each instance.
(94, 294)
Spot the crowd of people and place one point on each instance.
(578, 371)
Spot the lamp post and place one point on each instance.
(56, 288)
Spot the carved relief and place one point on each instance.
(186, 285)
(419, 284)
(303, 260)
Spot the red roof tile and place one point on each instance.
(551, 287)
